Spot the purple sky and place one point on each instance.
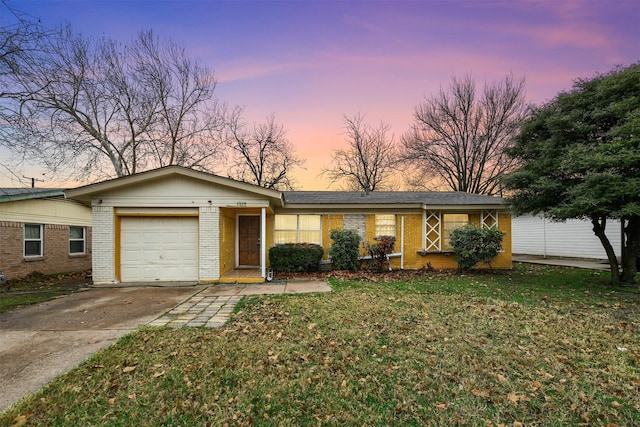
(311, 62)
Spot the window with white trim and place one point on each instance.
(32, 240)
(449, 223)
(77, 240)
(297, 229)
(385, 225)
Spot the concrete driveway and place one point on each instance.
(43, 341)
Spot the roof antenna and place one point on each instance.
(33, 181)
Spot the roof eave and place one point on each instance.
(86, 192)
(398, 206)
(30, 196)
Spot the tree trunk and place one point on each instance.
(599, 226)
(631, 253)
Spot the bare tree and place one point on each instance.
(96, 108)
(20, 35)
(262, 154)
(459, 139)
(368, 163)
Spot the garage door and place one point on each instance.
(158, 249)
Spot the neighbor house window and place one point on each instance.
(297, 229)
(449, 223)
(385, 225)
(32, 240)
(76, 240)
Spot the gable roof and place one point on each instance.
(395, 198)
(85, 193)
(14, 194)
(300, 199)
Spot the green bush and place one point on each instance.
(474, 244)
(345, 249)
(295, 257)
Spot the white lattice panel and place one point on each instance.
(433, 237)
(489, 218)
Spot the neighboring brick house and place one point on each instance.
(42, 231)
(177, 224)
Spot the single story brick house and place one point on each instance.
(42, 231)
(177, 224)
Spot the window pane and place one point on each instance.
(76, 247)
(32, 248)
(309, 222)
(385, 225)
(286, 222)
(76, 232)
(281, 237)
(310, 237)
(451, 222)
(31, 231)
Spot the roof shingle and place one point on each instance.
(390, 197)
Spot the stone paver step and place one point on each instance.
(199, 311)
(212, 307)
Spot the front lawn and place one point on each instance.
(36, 288)
(538, 346)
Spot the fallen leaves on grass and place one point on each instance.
(372, 354)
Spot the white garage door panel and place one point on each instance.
(158, 249)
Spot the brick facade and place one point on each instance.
(55, 257)
(209, 247)
(104, 244)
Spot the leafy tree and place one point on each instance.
(370, 159)
(580, 158)
(474, 244)
(261, 154)
(459, 137)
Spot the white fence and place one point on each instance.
(536, 235)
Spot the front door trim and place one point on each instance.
(238, 265)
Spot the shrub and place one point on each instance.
(378, 252)
(474, 244)
(345, 249)
(295, 257)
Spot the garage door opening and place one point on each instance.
(158, 249)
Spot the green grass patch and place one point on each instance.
(13, 301)
(538, 346)
(36, 288)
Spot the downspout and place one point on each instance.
(544, 235)
(424, 227)
(402, 242)
(263, 242)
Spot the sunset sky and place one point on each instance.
(311, 62)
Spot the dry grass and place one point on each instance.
(538, 347)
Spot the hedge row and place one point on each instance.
(295, 257)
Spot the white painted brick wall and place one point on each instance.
(103, 234)
(209, 243)
(355, 222)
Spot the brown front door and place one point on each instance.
(249, 240)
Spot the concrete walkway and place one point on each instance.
(587, 264)
(42, 341)
(212, 307)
